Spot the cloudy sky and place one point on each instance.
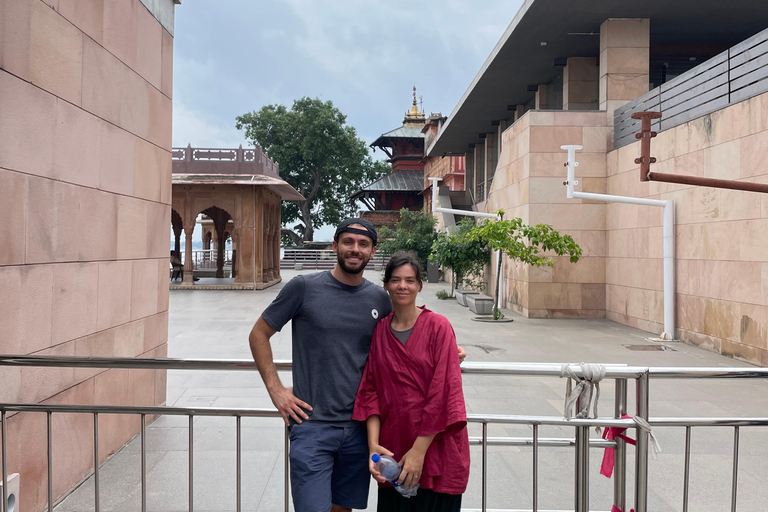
(234, 56)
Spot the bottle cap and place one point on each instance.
(375, 457)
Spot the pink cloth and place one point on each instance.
(416, 390)
(614, 508)
(609, 455)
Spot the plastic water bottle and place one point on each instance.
(390, 469)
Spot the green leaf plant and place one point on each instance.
(465, 257)
(532, 245)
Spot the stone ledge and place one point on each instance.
(237, 286)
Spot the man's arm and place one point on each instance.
(282, 397)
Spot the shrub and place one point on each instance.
(414, 233)
(465, 257)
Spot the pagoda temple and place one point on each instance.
(404, 147)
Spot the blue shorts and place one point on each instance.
(329, 465)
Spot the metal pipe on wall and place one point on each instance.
(469, 213)
(668, 224)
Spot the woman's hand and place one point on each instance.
(412, 464)
(375, 448)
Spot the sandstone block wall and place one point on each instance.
(529, 184)
(721, 238)
(85, 167)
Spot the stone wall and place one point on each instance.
(446, 168)
(721, 235)
(381, 218)
(529, 184)
(85, 189)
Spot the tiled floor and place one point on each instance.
(215, 324)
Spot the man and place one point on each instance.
(333, 316)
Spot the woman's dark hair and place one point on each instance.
(398, 260)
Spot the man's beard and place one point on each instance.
(349, 270)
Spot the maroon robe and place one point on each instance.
(416, 390)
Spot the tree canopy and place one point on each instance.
(319, 155)
(525, 243)
(414, 232)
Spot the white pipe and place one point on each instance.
(469, 213)
(668, 232)
(669, 271)
(619, 199)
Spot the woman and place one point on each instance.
(412, 401)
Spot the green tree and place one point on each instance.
(524, 243)
(414, 232)
(463, 256)
(319, 155)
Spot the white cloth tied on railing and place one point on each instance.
(645, 426)
(586, 392)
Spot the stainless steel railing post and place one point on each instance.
(49, 426)
(287, 476)
(239, 465)
(620, 452)
(582, 470)
(687, 468)
(484, 499)
(535, 468)
(734, 488)
(191, 464)
(96, 493)
(4, 447)
(143, 463)
(641, 455)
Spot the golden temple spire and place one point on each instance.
(414, 117)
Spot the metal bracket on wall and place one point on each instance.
(645, 135)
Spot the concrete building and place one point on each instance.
(573, 72)
(85, 195)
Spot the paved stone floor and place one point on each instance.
(215, 324)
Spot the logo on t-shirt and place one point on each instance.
(375, 313)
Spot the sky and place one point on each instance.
(235, 56)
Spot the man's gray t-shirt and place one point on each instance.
(332, 328)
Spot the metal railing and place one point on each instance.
(319, 259)
(730, 77)
(207, 258)
(581, 442)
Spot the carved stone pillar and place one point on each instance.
(235, 255)
(276, 245)
(177, 229)
(267, 243)
(188, 267)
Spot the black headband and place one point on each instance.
(369, 230)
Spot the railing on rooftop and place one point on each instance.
(581, 443)
(193, 157)
(735, 75)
